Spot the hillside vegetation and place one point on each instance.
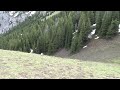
(87, 38)
(19, 65)
(99, 50)
(71, 30)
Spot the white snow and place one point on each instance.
(89, 36)
(73, 32)
(11, 13)
(76, 30)
(94, 25)
(92, 33)
(85, 46)
(20, 34)
(16, 14)
(119, 30)
(27, 12)
(97, 37)
(119, 26)
(31, 50)
(41, 54)
(32, 12)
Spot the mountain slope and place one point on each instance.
(14, 64)
(68, 29)
(97, 50)
(9, 19)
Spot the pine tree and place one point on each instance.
(83, 30)
(113, 29)
(61, 32)
(91, 15)
(106, 21)
(69, 31)
(99, 17)
(115, 15)
(74, 44)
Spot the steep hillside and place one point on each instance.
(71, 30)
(16, 65)
(100, 50)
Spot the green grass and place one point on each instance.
(14, 64)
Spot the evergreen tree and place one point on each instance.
(74, 44)
(80, 37)
(57, 32)
(115, 15)
(113, 29)
(84, 28)
(69, 31)
(99, 17)
(91, 15)
(106, 21)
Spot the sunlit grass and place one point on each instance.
(14, 64)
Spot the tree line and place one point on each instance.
(68, 29)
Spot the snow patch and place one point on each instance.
(73, 32)
(119, 26)
(11, 13)
(85, 46)
(16, 14)
(97, 37)
(92, 33)
(31, 50)
(76, 31)
(89, 36)
(32, 12)
(41, 54)
(118, 30)
(27, 12)
(94, 25)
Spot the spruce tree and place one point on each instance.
(74, 43)
(106, 21)
(115, 15)
(91, 15)
(84, 30)
(99, 16)
(113, 29)
(69, 31)
(80, 37)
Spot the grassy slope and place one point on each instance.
(99, 50)
(15, 64)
